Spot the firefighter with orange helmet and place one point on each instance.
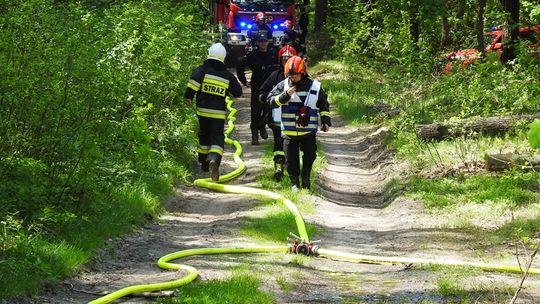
(276, 77)
(210, 84)
(303, 103)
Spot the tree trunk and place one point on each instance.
(321, 10)
(445, 39)
(489, 126)
(512, 8)
(461, 9)
(480, 27)
(414, 24)
(501, 162)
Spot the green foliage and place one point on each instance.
(93, 130)
(534, 134)
(240, 288)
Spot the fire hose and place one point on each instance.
(298, 244)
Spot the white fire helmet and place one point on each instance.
(217, 51)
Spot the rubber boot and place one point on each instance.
(254, 138)
(214, 170)
(205, 166)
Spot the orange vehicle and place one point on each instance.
(494, 43)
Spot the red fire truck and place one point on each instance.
(236, 17)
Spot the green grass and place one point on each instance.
(488, 201)
(351, 89)
(509, 189)
(25, 253)
(238, 289)
(285, 285)
(28, 264)
(274, 226)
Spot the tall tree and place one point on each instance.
(512, 8)
(445, 39)
(480, 26)
(321, 11)
(414, 22)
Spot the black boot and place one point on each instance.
(295, 186)
(254, 138)
(205, 167)
(264, 134)
(278, 171)
(306, 183)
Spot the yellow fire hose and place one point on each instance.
(164, 263)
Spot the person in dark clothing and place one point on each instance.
(210, 84)
(276, 77)
(302, 102)
(261, 61)
(303, 23)
(260, 29)
(292, 37)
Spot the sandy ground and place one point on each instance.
(356, 214)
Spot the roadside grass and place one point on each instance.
(461, 283)
(504, 207)
(241, 287)
(34, 253)
(351, 89)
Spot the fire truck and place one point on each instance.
(234, 18)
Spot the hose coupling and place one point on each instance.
(300, 246)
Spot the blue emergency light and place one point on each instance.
(242, 24)
(275, 26)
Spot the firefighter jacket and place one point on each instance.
(261, 65)
(292, 38)
(309, 97)
(272, 80)
(211, 83)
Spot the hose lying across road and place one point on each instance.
(164, 262)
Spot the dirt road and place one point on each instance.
(358, 213)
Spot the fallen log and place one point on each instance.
(488, 126)
(501, 162)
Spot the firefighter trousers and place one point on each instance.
(211, 139)
(279, 155)
(292, 148)
(259, 112)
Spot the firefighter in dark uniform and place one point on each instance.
(210, 84)
(261, 61)
(303, 22)
(303, 102)
(292, 37)
(276, 77)
(260, 29)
